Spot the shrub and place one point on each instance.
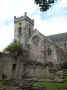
(14, 48)
(65, 65)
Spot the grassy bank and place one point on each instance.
(51, 85)
(5, 84)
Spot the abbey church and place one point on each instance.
(44, 56)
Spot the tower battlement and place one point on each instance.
(23, 28)
(22, 18)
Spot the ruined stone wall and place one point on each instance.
(38, 51)
(20, 68)
(51, 55)
(11, 67)
(36, 71)
(62, 43)
(57, 54)
(30, 69)
(35, 65)
(60, 55)
(6, 63)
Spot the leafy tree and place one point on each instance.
(44, 4)
(14, 48)
(64, 65)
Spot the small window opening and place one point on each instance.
(29, 31)
(14, 67)
(49, 51)
(4, 76)
(20, 24)
(20, 30)
(65, 44)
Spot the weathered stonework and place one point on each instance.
(43, 58)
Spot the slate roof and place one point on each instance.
(58, 37)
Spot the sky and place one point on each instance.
(53, 21)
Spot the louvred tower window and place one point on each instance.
(20, 28)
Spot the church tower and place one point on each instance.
(23, 29)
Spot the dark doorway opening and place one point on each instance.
(14, 67)
(4, 76)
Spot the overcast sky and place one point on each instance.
(51, 22)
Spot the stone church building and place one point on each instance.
(44, 54)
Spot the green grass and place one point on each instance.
(3, 84)
(47, 85)
(51, 85)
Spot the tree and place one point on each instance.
(64, 65)
(14, 48)
(44, 4)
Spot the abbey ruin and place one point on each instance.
(44, 56)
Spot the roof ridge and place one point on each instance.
(57, 34)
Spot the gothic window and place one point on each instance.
(29, 31)
(65, 44)
(49, 51)
(20, 24)
(13, 67)
(35, 40)
(19, 30)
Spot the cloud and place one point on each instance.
(9, 9)
(54, 20)
(6, 36)
(50, 22)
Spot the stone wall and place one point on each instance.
(10, 67)
(38, 52)
(51, 53)
(34, 64)
(23, 29)
(6, 62)
(20, 67)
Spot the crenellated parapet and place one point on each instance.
(22, 18)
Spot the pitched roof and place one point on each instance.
(58, 37)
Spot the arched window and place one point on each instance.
(29, 31)
(35, 40)
(20, 23)
(65, 44)
(20, 28)
(49, 51)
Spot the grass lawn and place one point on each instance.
(47, 85)
(3, 84)
(51, 85)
